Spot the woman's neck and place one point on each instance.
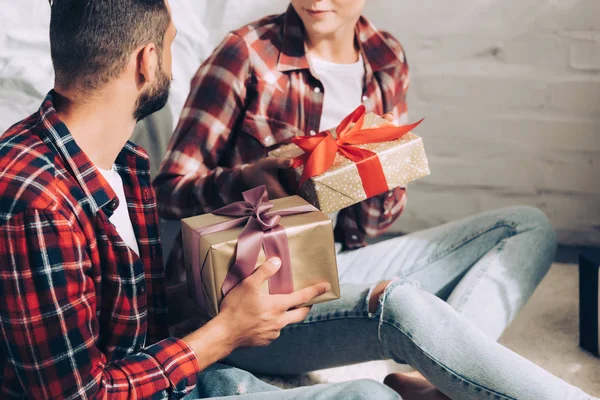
(339, 47)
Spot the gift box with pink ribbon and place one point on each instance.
(223, 248)
(363, 157)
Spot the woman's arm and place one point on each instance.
(190, 181)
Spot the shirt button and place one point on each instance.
(313, 133)
(269, 140)
(112, 206)
(317, 90)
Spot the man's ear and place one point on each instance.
(147, 65)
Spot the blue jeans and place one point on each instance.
(474, 277)
(222, 381)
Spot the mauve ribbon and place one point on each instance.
(320, 150)
(262, 230)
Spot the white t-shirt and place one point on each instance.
(120, 218)
(343, 90)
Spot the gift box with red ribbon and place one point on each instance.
(363, 157)
(223, 248)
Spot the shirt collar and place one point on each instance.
(91, 181)
(376, 52)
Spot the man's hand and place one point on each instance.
(266, 172)
(250, 318)
(255, 319)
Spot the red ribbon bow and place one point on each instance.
(320, 150)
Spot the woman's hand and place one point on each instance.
(266, 172)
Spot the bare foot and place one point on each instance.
(414, 386)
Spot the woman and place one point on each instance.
(300, 73)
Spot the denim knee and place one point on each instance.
(403, 302)
(534, 218)
(366, 389)
(544, 226)
(405, 293)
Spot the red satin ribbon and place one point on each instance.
(261, 230)
(320, 150)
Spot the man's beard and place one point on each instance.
(153, 99)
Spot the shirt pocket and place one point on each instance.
(267, 131)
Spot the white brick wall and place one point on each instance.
(511, 94)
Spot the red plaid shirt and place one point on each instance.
(257, 92)
(81, 315)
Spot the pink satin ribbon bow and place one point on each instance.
(261, 231)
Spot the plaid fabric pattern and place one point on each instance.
(256, 92)
(81, 316)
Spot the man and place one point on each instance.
(83, 311)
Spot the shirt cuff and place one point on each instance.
(178, 362)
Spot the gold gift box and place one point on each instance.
(312, 251)
(403, 161)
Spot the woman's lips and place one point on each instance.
(317, 13)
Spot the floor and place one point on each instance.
(545, 332)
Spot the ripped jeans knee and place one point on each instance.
(378, 297)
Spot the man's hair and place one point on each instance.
(91, 40)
